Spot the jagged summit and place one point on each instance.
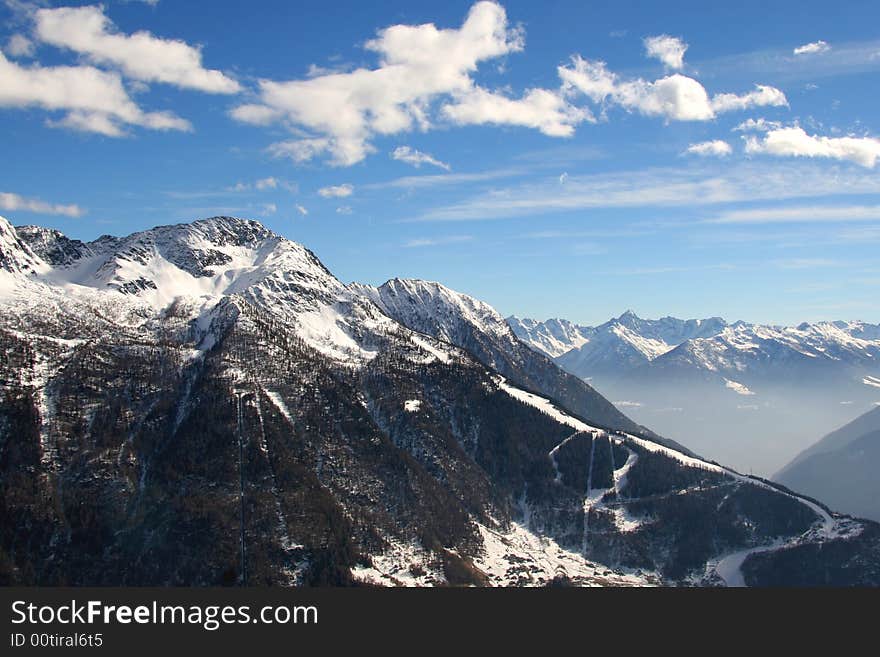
(16, 256)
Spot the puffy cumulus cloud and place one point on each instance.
(141, 56)
(336, 191)
(417, 158)
(418, 65)
(675, 97)
(668, 49)
(344, 209)
(761, 96)
(94, 100)
(541, 109)
(795, 142)
(812, 48)
(14, 202)
(716, 148)
(19, 45)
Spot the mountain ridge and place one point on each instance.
(780, 385)
(187, 400)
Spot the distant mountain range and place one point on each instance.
(206, 404)
(842, 468)
(746, 394)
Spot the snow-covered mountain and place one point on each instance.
(205, 403)
(475, 326)
(552, 337)
(776, 387)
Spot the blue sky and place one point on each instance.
(561, 159)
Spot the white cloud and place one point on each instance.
(806, 263)
(668, 49)
(141, 56)
(344, 209)
(704, 185)
(268, 208)
(812, 48)
(757, 125)
(762, 96)
(795, 142)
(437, 241)
(19, 45)
(14, 202)
(96, 101)
(541, 109)
(563, 177)
(450, 179)
(336, 191)
(301, 210)
(802, 214)
(417, 65)
(715, 147)
(417, 158)
(675, 97)
(298, 150)
(263, 184)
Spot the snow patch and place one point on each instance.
(543, 405)
(519, 557)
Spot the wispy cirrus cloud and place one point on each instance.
(436, 241)
(450, 179)
(661, 187)
(265, 184)
(417, 158)
(799, 214)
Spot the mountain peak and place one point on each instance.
(16, 257)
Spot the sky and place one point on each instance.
(555, 159)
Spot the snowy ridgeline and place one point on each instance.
(372, 426)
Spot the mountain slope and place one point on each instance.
(434, 309)
(842, 468)
(760, 389)
(206, 404)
